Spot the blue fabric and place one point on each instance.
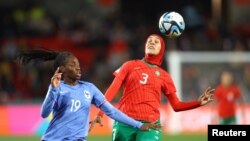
(71, 107)
(115, 114)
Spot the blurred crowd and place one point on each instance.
(100, 34)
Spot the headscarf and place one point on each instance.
(156, 59)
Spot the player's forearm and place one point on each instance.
(182, 106)
(117, 115)
(48, 102)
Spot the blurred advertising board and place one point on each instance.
(26, 120)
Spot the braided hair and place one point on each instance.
(34, 56)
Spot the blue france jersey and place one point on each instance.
(71, 108)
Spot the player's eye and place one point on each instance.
(71, 65)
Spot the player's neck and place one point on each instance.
(148, 63)
(70, 82)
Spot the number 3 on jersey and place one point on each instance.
(144, 78)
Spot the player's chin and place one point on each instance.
(78, 76)
(151, 54)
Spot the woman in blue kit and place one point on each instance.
(70, 99)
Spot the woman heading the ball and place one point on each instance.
(70, 99)
(143, 82)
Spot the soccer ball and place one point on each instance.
(171, 24)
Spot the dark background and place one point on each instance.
(105, 33)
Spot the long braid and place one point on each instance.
(34, 56)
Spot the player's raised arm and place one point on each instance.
(49, 101)
(56, 78)
(33, 56)
(178, 105)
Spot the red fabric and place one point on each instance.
(156, 59)
(181, 106)
(226, 99)
(143, 86)
(112, 91)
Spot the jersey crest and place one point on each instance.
(157, 73)
(86, 94)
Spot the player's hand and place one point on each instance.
(93, 122)
(207, 96)
(56, 78)
(147, 126)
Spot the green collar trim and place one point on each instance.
(148, 63)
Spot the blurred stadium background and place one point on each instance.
(105, 33)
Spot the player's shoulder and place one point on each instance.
(235, 87)
(164, 75)
(131, 63)
(164, 72)
(220, 88)
(88, 86)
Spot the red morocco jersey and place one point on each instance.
(143, 85)
(226, 98)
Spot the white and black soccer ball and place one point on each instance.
(171, 24)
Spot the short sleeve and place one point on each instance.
(122, 72)
(98, 97)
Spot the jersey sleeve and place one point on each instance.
(117, 115)
(169, 91)
(181, 106)
(49, 101)
(122, 72)
(98, 97)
